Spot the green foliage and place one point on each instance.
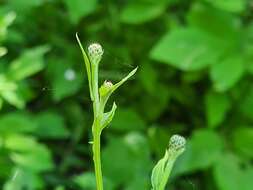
(217, 106)
(229, 5)
(28, 157)
(139, 12)
(134, 159)
(199, 154)
(79, 8)
(28, 64)
(224, 80)
(194, 79)
(50, 125)
(227, 168)
(243, 141)
(187, 49)
(127, 120)
(64, 79)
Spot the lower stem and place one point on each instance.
(97, 159)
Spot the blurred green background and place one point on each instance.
(195, 78)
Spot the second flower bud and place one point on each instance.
(105, 88)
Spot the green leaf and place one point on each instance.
(157, 101)
(13, 98)
(29, 63)
(6, 84)
(23, 179)
(188, 49)
(220, 24)
(24, 6)
(141, 12)
(16, 123)
(247, 182)
(117, 85)
(248, 47)
(243, 140)
(79, 8)
(65, 80)
(6, 164)
(28, 153)
(246, 104)
(107, 117)
(140, 182)
(217, 106)
(126, 120)
(226, 73)
(86, 181)
(51, 125)
(5, 21)
(87, 65)
(201, 152)
(106, 92)
(20, 143)
(227, 173)
(235, 6)
(132, 159)
(114, 87)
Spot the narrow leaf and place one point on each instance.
(87, 65)
(107, 117)
(29, 63)
(124, 80)
(117, 85)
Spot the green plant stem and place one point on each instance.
(96, 128)
(165, 178)
(96, 156)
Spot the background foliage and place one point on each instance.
(195, 78)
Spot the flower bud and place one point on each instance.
(95, 52)
(105, 88)
(162, 169)
(177, 142)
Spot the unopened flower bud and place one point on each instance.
(177, 142)
(162, 170)
(108, 84)
(95, 52)
(105, 88)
